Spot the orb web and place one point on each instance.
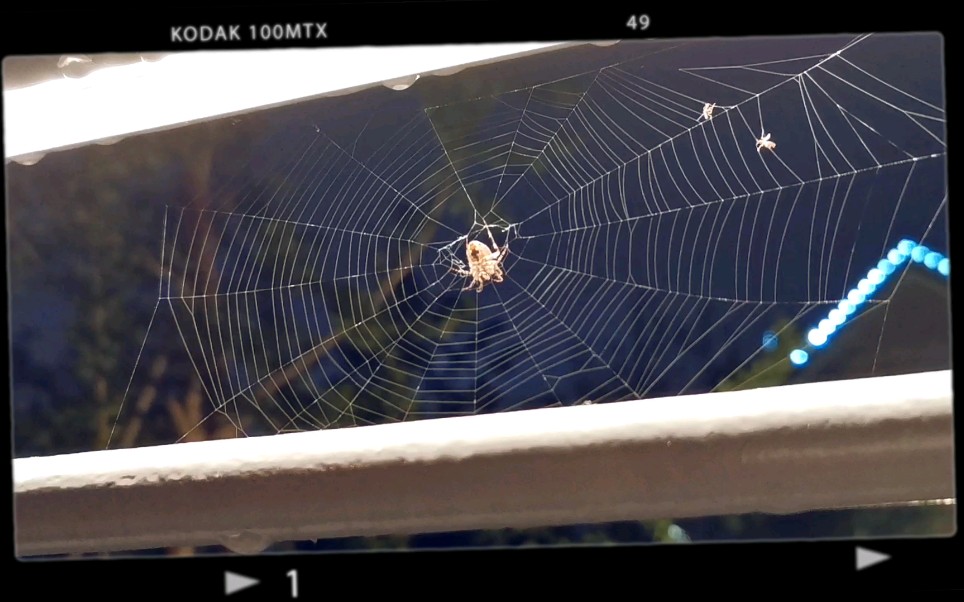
(650, 248)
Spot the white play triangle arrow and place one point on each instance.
(234, 582)
(867, 558)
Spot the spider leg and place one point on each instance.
(491, 238)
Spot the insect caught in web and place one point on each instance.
(764, 142)
(485, 265)
(707, 113)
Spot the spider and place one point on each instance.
(764, 142)
(707, 112)
(485, 265)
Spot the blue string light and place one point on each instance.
(906, 249)
(770, 340)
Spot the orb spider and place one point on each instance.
(485, 265)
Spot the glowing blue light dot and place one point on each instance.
(847, 307)
(856, 297)
(837, 317)
(865, 287)
(875, 276)
(886, 266)
(919, 253)
(906, 246)
(799, 357)
(770, 341)
(816, 337)
(895, 257)
(932, 259)
(676, 533)
(944, 267)
(826, 327)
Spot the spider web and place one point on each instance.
(649, 249)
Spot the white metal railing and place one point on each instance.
(192, 86)
(779, 450)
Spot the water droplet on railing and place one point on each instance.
(245, 542)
